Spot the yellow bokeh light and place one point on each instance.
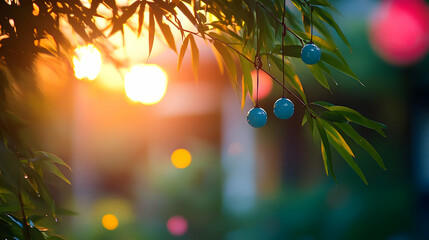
(110, 222)
(146, 83)
(87, 62)
(181, 158)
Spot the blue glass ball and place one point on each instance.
(283, 108)
(310, 54)
(257, 117)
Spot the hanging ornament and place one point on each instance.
(283, 108)
(257, 117)
(310, 54)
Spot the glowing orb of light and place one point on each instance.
(86, 62)
(177, 225)
(399, 31)
(110, 222)
(146, 83)
(181, 158)
(265, 84)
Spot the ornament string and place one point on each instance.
(283, 50)
(257, 63)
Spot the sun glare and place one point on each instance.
(146, 83)
(87, 62)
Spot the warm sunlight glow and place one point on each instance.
(181, 158)
(146, 84)
(110, 222)
(87, 62)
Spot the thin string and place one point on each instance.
(257, 58)
(283, 53)
(311, 22)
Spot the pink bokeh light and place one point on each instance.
(399, 31)
(265, 84)
(177, 225)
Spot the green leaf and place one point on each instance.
(327, 45)
(354, 116)
(35, 234)
(182, 51)
(336, 136)
(339, 65)
(320, 77)
(50, 167)
(332, 116)
(343, 149)
(325, 16)
(43, 190)
(247, 84)
(326, 150)
(292, 50)
(291, 77)
(51, 157)
(306, 22)
(347, 129)
(195, 57)
(228, 60)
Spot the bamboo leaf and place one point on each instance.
(141, 17)
(347, 129)
(165, 29)
(50, 167)
(151, 30)
(227, 59)
(356, 117)
(325, 149)
(339, 65)
(51, 157)
(332, 116)
(195, 56)
(291, 77)
(292, 50)
(184, 9)
(319, 76)
(336, 136)
(344, 152)
(247, 84)
(325, 16)
(182, 51)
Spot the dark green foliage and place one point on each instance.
(32, 28)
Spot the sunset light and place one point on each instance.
(109, 221)
(87, 62)
(181, 158)
(146, 84)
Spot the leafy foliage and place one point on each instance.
(237, 31)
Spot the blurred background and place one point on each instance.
(183, 163)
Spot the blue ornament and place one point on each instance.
(283, 108)
(257, 117)
(310, 54)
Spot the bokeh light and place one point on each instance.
(110, 222)
(399, 31)
(177, 225)
(181, 158)
(265, 84)
(86, 62)
(146, 83)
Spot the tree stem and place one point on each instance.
(25, 229)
